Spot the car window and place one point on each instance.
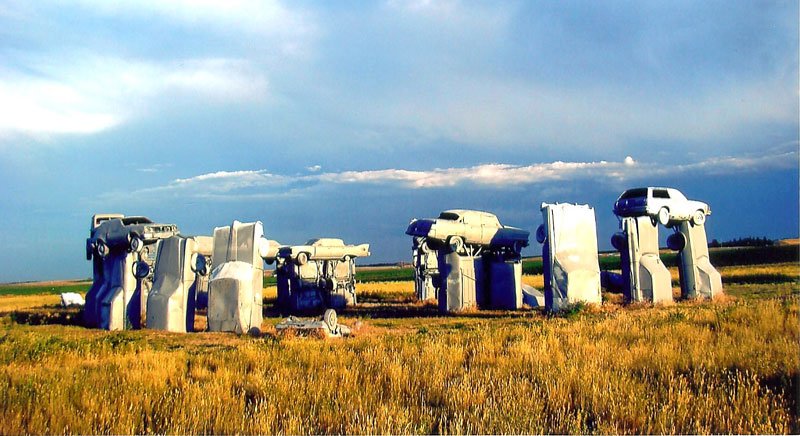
(448, 216)
(660, 193)
(633, 193)
(132, 220)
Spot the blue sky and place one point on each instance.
(350, 118)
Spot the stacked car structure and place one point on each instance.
(319, 274)
(147, 274)
(478, 260)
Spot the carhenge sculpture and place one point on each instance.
(644, 276)
(479, 260)
(118, 294)
(235, 287)
(569, 255)
(426, 269)
(319, 274)
(182, 265)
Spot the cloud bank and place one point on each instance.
(232, 185)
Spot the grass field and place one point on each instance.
(729, 366)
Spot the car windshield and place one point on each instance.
(448, 216)
(633, 193)
(136, 220)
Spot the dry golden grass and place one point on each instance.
(537, 280)
(17, 302)
(730, 366)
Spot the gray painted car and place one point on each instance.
(664, 205)
(323, 249)
(460, 227)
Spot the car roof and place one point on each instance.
(461, 212)
(653, 187)
(326, 242)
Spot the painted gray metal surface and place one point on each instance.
(320, 273)
(72, 299)
(171, 302)
(570, 259)
(426, 270)
(505, 282)
(462, 281)
(235, 295)
(465, 228)
(328, 325)
(665, 205)
(699, 279)
(116, 299)
(646, 277)
(532, 296)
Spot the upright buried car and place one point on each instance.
(460, 228)
(664, 205)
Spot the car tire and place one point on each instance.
(698, 218)
(330, 318)
(141, 269)
(456, 244)
(423, 247)
(676, 241)
(663, 216)
(619, 241)
(541, 234)
(518, 246)
(135, 244)
(302, 259)
(101, 248)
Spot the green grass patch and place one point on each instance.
(43, 290)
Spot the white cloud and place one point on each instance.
(290, 30)
(230, 185)
(82, 93)
(314, 168)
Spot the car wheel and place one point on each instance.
(101, 248)
(518, 246)
(619, 241)
(456, 244)
(541, 234)
(423, 247)
(302, 259)
(699, 218)
(663, 216)
(135, 244)
(330, 318)
(676, 241)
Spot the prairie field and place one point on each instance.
(727, 366)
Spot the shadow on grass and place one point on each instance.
(47, 315)
(760, 278)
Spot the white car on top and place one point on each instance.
(664, 205)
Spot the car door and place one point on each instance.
(659, 198)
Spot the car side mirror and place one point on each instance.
(141, 269)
